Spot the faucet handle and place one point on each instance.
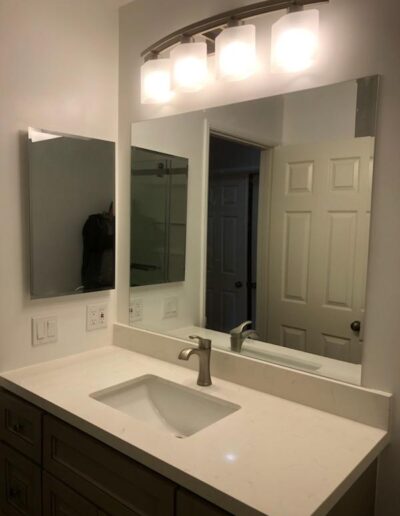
(239, 329)
(203, 343)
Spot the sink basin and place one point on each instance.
(167, 406)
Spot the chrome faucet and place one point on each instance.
(204, 354)
(239, 334)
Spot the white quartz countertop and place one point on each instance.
(271, 457)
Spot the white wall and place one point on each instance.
(317, 115)
(181, 136)
(58, 62)
(359, 38)
(257, 122)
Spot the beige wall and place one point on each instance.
(359, 38)
(58, 62)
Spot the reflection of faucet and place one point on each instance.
(239, 334)
(204, 354)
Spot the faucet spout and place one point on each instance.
(204, 354)
(240, 334)
(186, 353)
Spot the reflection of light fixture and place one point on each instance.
(294, 48)
(156, 81)
(295, 41)
(235, 50)
(189, 65)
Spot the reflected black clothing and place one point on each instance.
(98, 264)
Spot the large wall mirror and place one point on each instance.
(72, 222)
(278, 216)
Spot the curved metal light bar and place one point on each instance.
(220, 20)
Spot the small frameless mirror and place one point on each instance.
(72, 222)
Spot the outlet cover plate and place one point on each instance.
(96, 317)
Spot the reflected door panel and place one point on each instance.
(226, 303)
(320, 213)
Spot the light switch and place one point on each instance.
(41, 329)
(52, 327)
(44, 330)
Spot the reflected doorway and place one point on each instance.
(234, 171)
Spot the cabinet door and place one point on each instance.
(112, 481)
(189, 504)
(60, 500)
(20, 485)
(21, 425)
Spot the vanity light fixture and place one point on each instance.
(294, 41)
(294, 46)
(156, 80)
(189, 65)
(235, 51)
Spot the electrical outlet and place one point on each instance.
(102, 320)
(96, 317)
(44, 330)
(136, 311)
(170, 307)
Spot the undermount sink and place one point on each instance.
(165, 405)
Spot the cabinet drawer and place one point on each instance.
(21, 425)
(60, 500)
(20, 484)
(103, 475)
(188, 503)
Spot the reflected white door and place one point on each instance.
(320, 215)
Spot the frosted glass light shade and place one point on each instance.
(235, 50)
(156, 81)
(294, 42)
(189, 66)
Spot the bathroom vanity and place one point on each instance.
(70, 447)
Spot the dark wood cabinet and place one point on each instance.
(21, 425)
(189, 504)
(104, 475)
(60, 500)
(20, 484)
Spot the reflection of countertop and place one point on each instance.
(322, 366)
(270, 457)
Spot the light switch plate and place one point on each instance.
(170, 307)
(44, 330)
(136, 311)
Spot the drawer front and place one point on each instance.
(21, 425)
(188, 503)
(103, 475)
(20, 484)
(60, 500)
